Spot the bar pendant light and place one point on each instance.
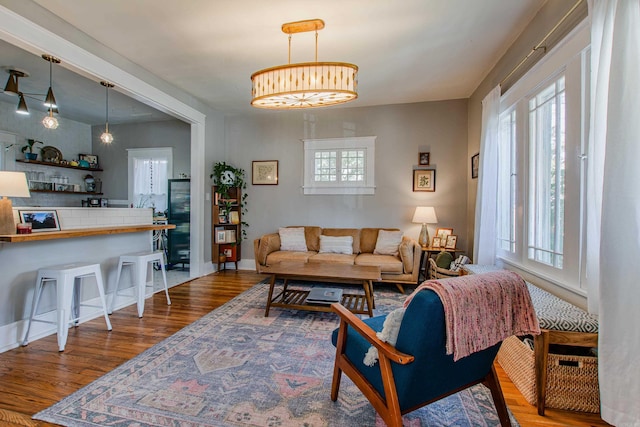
(22, 106)
(106, 137)
(50, 100)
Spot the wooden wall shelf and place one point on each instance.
(58, 165)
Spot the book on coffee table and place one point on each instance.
(324, 296)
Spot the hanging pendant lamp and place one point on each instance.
(22, 106)
(106, 137)
(304, 85)
(49, 121)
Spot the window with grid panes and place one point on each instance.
(339, 165)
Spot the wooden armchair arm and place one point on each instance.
(348, 318)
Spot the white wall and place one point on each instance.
(402, 132)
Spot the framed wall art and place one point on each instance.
(264, 172)
(93, 160)
(424, 180)
(423, 159)
(475, 165)
(40, 220)
(451, 242)
(442, 233)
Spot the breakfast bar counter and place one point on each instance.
(82, 232)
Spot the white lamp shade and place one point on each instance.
(425, 215)
(14, 184)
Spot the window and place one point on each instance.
(541, 178)
(547, 170)
(339, 165)
(149, 172)
(506, 197)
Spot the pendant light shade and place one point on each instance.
(50, 100)
(106, 137)
(49, 121)
(22, 106)
(11, 88)
(304, 85)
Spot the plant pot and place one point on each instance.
(31, 156)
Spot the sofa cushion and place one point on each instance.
(353, 232)
(369, 237)
(406, 253)
(322, 258)
(281, 256)
(388, 243)
(312, 236)
(336, 244)
(387, 263)
(292, 239)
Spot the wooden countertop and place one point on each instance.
(82, 232)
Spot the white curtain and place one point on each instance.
(484, 247)
(150, 183)
(613, 238)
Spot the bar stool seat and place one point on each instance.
(139, 262)
(68, 279)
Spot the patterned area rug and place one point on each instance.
(234, 367)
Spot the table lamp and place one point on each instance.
(12, 184)
(424, 215)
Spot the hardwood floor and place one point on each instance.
(33, 378)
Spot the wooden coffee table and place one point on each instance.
(334, 273)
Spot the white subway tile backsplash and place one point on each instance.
(72, 218)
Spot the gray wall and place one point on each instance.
(113, 157)
(402, 132)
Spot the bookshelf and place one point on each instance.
(226, 220)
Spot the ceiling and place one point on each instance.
(407, 51)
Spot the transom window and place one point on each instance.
(339, 165)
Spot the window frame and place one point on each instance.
(569, 58)
(337, 187)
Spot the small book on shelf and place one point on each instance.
(234, 217)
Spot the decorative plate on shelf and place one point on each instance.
(50, 154)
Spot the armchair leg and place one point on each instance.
(491, 381)
(337, 372)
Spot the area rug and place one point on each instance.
(234, 367)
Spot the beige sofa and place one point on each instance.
(398, 270)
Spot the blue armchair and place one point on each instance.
(417, 371)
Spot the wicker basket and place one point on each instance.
(572, 381)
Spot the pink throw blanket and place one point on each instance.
(483, 309)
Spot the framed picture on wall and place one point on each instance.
(423, 159)
(424, 180)
(475, 165)
(264, 172)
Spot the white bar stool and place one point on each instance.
(139, 262)
(68, 278)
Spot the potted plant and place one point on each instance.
(28, 149)
(225, 177)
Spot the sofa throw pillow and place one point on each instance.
(443, 260)
(459, 262)
(336, 245)
(292, 239)
(388, 242)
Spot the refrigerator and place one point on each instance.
(178, 213)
